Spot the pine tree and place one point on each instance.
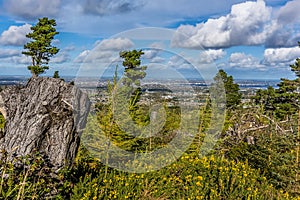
(233, 97)
(40, 49)
(296, 67)
(56, 74)
(284, 101)
(133, 74)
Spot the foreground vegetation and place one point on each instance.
(190, 177)
(257, 156)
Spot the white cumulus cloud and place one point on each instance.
(105, 51)
(281, 55)
(178, 62)
(152, 54)
(19, 59)
(60, 57)
(211, 55)
(245, 25)
(115, 44)
(242, 60)
(15, 35)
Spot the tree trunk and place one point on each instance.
(48, 116)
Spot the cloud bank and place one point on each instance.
(248, 23)
(32, 9)
(110, 7)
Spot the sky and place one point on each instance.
(248, 39)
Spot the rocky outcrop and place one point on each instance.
(47, 115)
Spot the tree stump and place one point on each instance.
(47, 116)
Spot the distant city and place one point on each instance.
(95, 82)
(193, 92)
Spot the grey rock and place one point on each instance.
(47, 115)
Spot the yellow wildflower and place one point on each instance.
(200, 178)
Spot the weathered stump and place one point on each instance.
(47, 115)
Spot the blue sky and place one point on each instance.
(248, 39)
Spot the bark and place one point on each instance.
(47, 115)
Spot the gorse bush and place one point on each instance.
(191, 177)
(2, 122)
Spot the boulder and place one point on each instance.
(47, 115)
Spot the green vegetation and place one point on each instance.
(40, 49)
(257, 156)
(267, 134)
(267, 145)
(233, 97)
(31, 178)
(284, 101)
(2, 122)
(56, 74)
(190, 177)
